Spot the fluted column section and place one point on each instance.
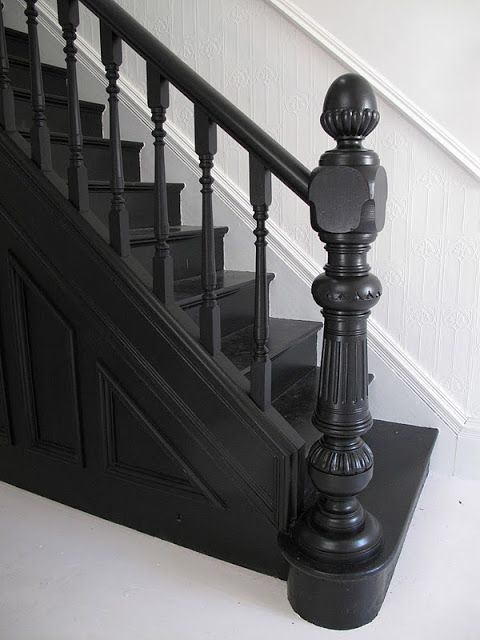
(340, 462)
(68, 18)
(39, 133)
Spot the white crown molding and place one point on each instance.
(396, 359)
(382, 85)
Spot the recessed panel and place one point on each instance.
(5, 436)
(137, 447)
(48, 363)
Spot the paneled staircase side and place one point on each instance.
(110, 359)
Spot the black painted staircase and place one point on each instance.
(293, 342)
(111, 405)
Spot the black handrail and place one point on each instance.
(249, 135)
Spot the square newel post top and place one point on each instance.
(348, 190)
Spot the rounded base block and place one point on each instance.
(334, 596)
(347, 546)
(342, 595)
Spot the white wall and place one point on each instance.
(429, 49)
(425, 332)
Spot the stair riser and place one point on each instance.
(186, 252)
(54, 81)
(140, 206)
(17, 45)
(293, 364)
(98, 162)
(57, 117)
(236, 309)
(97, 159)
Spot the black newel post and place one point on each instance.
(336, 536)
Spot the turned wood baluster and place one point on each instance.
(111, 48)
(206, 147)
(261, 370)
(340, 463)
(39, 133)
(7, 106)
(68, 18)
(158, 101)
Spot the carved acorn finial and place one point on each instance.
(349, 111)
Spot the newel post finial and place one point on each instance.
(336, 535)
(349, 111)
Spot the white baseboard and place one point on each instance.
(382, 85)
(463, 429)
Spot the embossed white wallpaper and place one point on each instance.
(428, 256)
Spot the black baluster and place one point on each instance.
(158, 101)
(40, 134)
(68, 18)
(111, 47)
(206, 147)
(7, 106)
(261, 370)
(347, 194)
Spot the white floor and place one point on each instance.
(66, 575)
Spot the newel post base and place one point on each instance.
(333, 595)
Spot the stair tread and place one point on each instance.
(189, 290)
(52, 98)
(16, 33)
(105, 185)
(88, 140)
(146, 234)
(284, 333)
(297, 404)
(20, 60)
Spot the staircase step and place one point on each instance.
(139, 197)
(56, 112)
(293, 350)
(297, 404)
(97, 156)
(54, 78)
(17, 43)
(185, 245)
(236, 297)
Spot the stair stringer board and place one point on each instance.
(229, 456)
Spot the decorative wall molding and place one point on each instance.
(184, 479)
(380, 83)
(55, 423)
(5, 427)
(405, 368)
